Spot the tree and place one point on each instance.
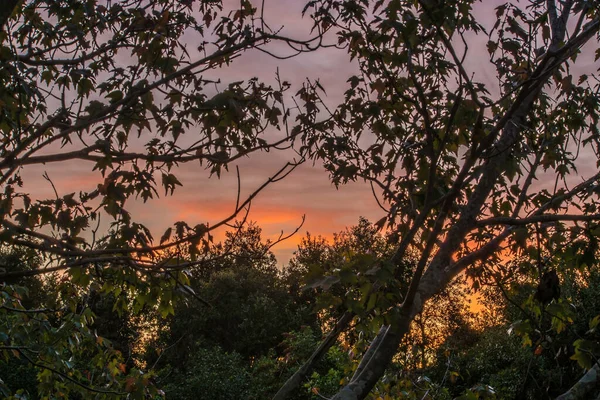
(248, 340)
(335, 268)
(211, 373)
(561, 343)
(18, 374)
(320, 263)
(98, 106)
(469, 171)
(113, 86)
(251, 306)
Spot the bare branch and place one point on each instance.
(119, 255)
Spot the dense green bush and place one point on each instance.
(210, 374)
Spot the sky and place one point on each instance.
(281, 206)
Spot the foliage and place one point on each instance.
(328, 381)
(545, 365)
(269, 372)
(490, 179)
(464, 166)
(447, 316)
(18, 376)
(117, 89)
(211, 373)
(53, 343)
(245, 319)
(248, 306)
(342, 272)
(495, 359)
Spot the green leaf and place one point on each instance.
(594, 322)
(584, 350)
(47, 76)
(372, 302)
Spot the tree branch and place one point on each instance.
(67, 377)
(538, 218)
(509, 129)
(582, 388)
(119, 157)
(293, 383)
(122, 254)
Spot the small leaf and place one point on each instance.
(169, 182)
(594, 322)
(115, 96)
(166, 236)
(372, 301)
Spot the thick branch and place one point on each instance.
(293, 383)
(386, 344)
(512, 124)
(509, 127)
(558, 23)
(371, 351)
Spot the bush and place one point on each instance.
(210, 374)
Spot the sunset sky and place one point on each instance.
(307, 191)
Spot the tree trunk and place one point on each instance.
(438, 273)
(380, 355)
(293, 383)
